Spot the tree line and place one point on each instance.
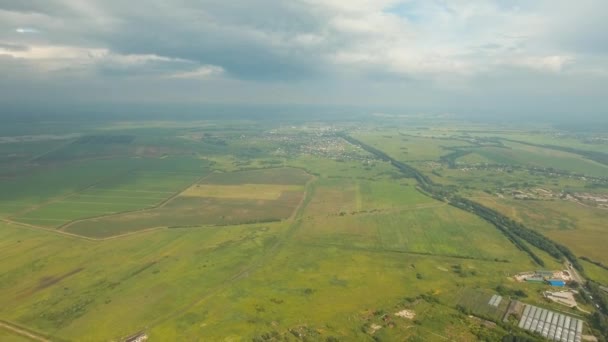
(514, 231)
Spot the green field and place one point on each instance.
(210, 205)
(596, 273)
(477, 303)
(515, 153)
(284, 176)
(12, 337)
(219, 230)
(583, 229)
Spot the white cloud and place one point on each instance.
(81, 60)
(26, 30)
(203, 72)
(546, 63)
(357, 44)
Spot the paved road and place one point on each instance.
(576, 276)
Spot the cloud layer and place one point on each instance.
(434, 54)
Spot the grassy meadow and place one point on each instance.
(583, 229)
(238, 231)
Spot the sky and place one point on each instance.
(506, 57)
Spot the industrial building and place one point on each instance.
(551, 325)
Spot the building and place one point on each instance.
(544, 274)
(556, 282)
(535, 279)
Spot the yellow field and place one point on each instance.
(241, 191)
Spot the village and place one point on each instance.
(583, 198)
(321, 143)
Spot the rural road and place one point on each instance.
(577, 277)
(580, 280)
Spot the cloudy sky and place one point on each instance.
(520, 55)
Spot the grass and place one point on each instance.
(333, 292)
(595, 272)
(547, 138)
(149, 274)
(390, 194)
(7, 336)
(332, 197)
(239, 261)
(477, 302)
(433, 231)
(520, 154)
(409, 148)
(580, 228)
(332, 169)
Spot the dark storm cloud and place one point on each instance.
(249, 40)
(367, 51)
(48, 7)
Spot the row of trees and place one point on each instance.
(514, 231)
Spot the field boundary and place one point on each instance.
(295, 222)
(296, 212)
(396, 251)
(21, 331)
(156, 206)
(50, 230)
(55, 231)
(68, 195)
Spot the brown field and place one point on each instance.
(332, 198)
(284, 176)
(221, 200)
(191, 212)
(243, 191)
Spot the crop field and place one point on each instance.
(235, 230)
(126, 192)
(479, 303)
(279, 176)
(185, 211)
(242, 191)
(219, 199)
